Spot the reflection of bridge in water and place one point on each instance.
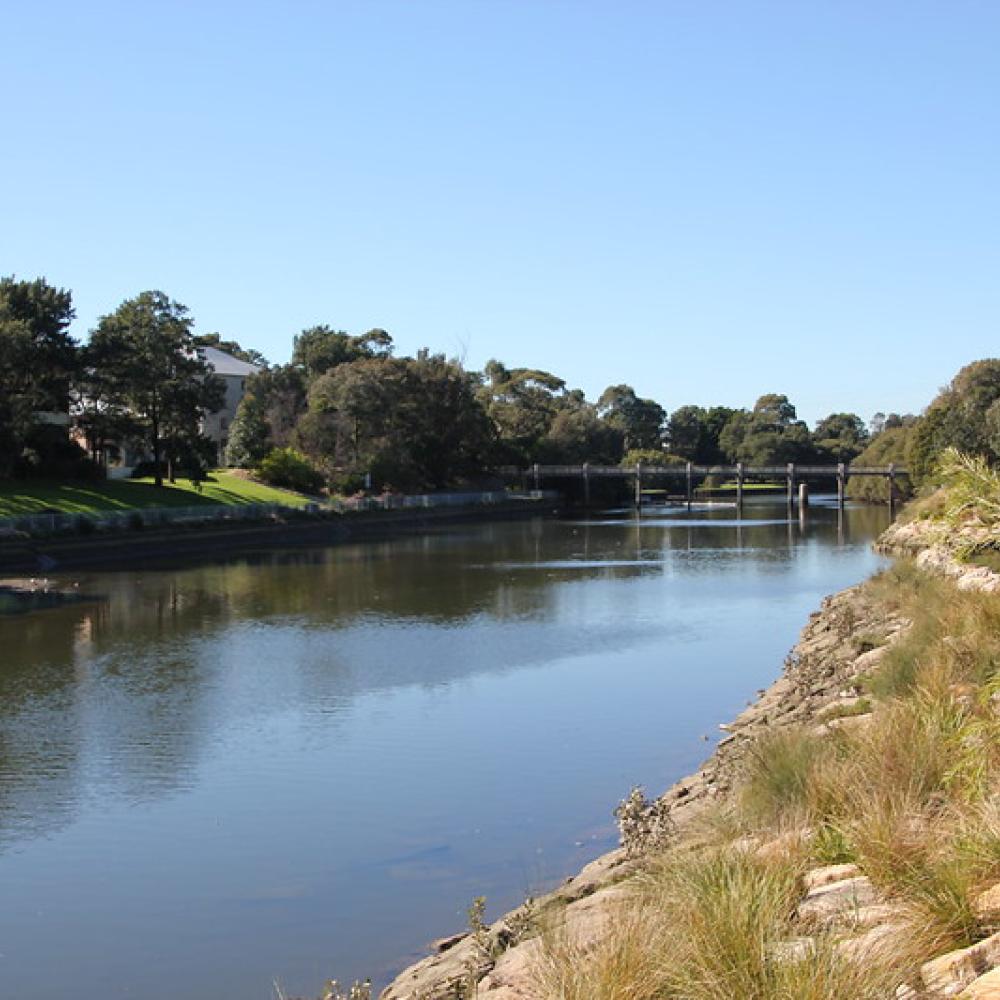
(646, 474)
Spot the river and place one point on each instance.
(294, 765)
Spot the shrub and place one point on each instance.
(291, 469)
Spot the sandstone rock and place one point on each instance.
(830, 873)
(444, 943)
(795, 950)
(987, 904)
(837, 900)
(512, 976)
(948, 974)
(984, 988)
(783, 845)
(877, 943)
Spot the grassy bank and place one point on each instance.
(910, 793)
(220, 487)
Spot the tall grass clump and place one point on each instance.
(972, 489)
(708, 925)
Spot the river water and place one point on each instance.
(302, 764)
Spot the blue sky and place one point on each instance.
(707, 200)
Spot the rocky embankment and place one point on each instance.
(941, 550)
(820, 688)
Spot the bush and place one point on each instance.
(291, 469)
(649, 456)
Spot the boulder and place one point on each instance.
(984, 988)
(837, 901)
(829, 873)
(948, 974)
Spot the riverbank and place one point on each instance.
(851, 791)
(208, 540)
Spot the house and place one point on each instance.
(121, 457)
(234, 373)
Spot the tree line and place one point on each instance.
(345, 409)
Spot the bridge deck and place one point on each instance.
(779, 471)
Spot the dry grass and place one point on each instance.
(913, 797)
(711, 925)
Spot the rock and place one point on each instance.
(444, 943)
(513, 975)
(906, 992)
(830, 873)
(795, 950)
(984, 988)
(948, 974)
(987, 904)
(837, 900)
(876, 944)
(783, 845)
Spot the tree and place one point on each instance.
(522, 404)
(639, 420)
(38, 359)
(841, 436)
(320, 348)
(578, 435)
(769, 434)
(960, 417)
(249, 435)
(155, 373)
(410, 421)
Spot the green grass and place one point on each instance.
(30, 497)
(748, 487)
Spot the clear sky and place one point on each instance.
(708, 200)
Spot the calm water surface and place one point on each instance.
(303, 764)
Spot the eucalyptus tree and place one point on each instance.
(639, 420)
(155, 374)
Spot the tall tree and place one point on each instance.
(155, 372)
(841, 436)
(38, 359)
(639, 420)
(321, 348)
(522, 403)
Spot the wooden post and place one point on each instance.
(791, 483)
(638, 485)
(739, 486)
(689, 485)
(537, 477)
(586, 484)
(840, 485)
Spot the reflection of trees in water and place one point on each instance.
(128, 691)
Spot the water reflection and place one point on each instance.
(297, 736)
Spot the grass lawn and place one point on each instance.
(221, 487)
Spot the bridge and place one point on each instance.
(791, 473)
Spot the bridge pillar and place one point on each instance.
(892, 486)
(586, 484)
(803, 496)
(791, 483)
(538, 478)
(638, 485)
(739, 487)
(841, 482)
(689, 485)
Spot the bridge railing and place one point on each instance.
(780, 471)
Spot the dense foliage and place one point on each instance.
(354, 411)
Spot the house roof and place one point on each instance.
(226, 364)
